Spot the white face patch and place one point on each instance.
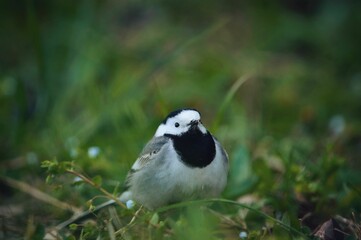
(180, 123)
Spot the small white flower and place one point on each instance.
(32, 158)
(337, 124)
(77, 179)
(243, 234)
(93, 152)
(130, 204)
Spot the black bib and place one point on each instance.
(195, 148)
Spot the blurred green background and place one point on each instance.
(278, 83)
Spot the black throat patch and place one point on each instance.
(195, 148)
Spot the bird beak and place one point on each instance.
(194, 124)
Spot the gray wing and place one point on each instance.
(154, 145)
(147, 155)
(223, 152)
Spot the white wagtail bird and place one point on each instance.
(183, 161)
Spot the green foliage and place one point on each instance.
(86, 83)
(241, 176)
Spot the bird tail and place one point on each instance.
(84, 215)
(124, 197)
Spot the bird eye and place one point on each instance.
(176, 124)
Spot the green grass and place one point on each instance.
(277, 83)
